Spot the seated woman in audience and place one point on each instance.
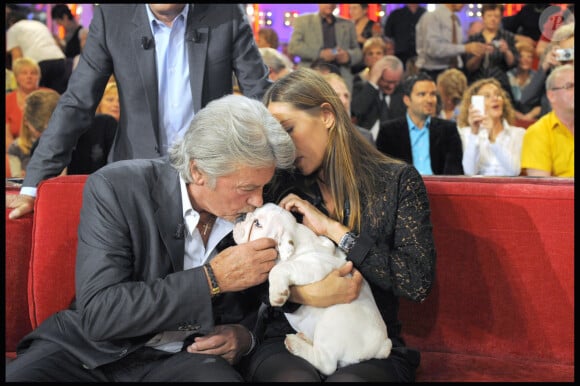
(451, 85)
(92, 149)
(27, 76)
(491, 145)
(37, 110)
(520, 77)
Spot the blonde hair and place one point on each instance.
(21, 63)
(109, 88)
(454, 82)
(374, 42)
(38, 108)
(508, 112)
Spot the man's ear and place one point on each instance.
(196, 174)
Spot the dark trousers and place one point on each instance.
(45, 361)
(54, 74)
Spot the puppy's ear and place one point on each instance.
(285, 245)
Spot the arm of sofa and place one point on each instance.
(51, 284)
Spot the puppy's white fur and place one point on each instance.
(329, 337)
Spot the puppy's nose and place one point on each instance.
(240, 218)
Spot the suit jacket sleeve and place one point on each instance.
(452, 150)
(306, 39)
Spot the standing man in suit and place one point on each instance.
(431, 144)
(380, 98)
(328, 37)
(162, 292)
(169, 60)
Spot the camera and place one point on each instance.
(565, 54)
(495, 43)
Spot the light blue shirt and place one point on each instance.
(175, 98)
(419, 137)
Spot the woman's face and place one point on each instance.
(372, 55)
(356, 12)
(308, 131)
(493, 100)
(27, 78)
(526, 60)
(110, 104)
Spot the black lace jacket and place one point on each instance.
(395, 251)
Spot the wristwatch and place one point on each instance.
(347, 241)
(214, 287)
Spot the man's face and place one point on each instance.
(326, 10)
(236, 193)
(389, 81)
(423, 99)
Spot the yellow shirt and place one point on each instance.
(549, 145)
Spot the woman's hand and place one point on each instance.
(313, 218)
(338, 287)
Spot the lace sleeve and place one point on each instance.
(402, 256)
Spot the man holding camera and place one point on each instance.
(500, 54)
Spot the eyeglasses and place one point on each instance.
(566, 86)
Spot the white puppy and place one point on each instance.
(329, 337)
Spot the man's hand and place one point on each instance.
(242, 266)
(230, 341)
(22, 203)
(338, 287)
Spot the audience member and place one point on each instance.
(62, 16)
(451, 86)
(439, 41)
(33, 39)
(339, 86)
(365, 29)
(390, 46)
(381, 97)
(162, 293)
(37, 110)
(535, 92)
(93, 147)
(328, 37)
(27, 76)
(429, 143)
(268, 37)
(500, 54)
(157, 104)
(278, 64)
(373, 49)
(548, 148)
(324, 67)
(520, 77)
(491, 145)
(400, 26)
(345, 189)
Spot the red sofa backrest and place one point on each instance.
(505, 270)
(51, 284)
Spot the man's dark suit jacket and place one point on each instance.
(366, 105)
(444, 144)
(219, 41)
(130, 281)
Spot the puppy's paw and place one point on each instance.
(297, 344)
(278, 296)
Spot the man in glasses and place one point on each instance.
(548, 148)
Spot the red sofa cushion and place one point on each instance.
(17, 256)
(51, 285)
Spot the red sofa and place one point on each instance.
(502, 307)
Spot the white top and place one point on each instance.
(34, 39)
(501, 158)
